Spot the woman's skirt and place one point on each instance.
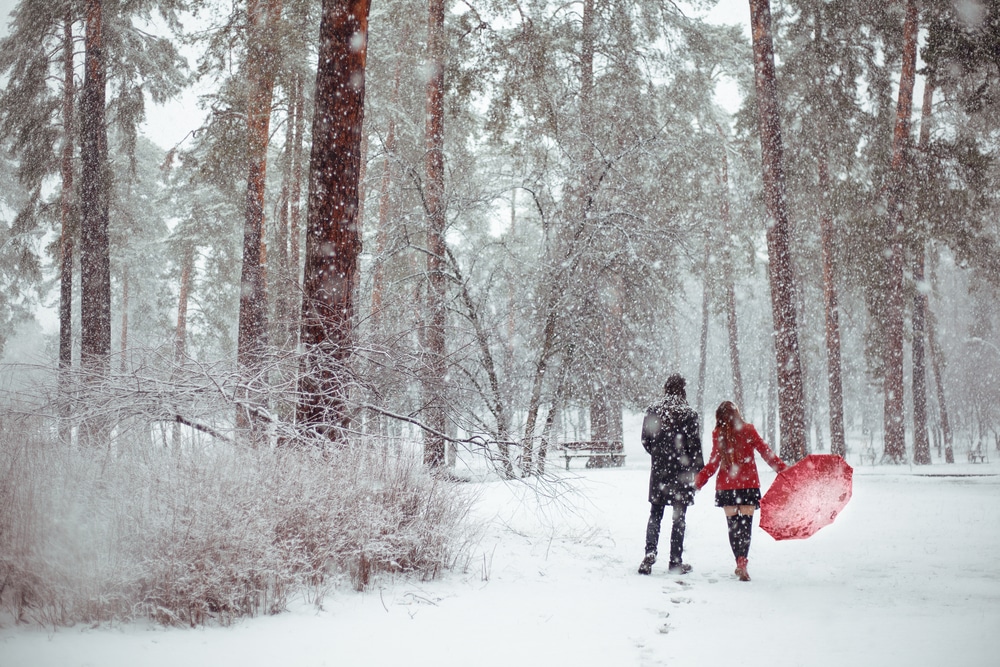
(730, 497)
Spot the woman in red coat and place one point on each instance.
(737, 489)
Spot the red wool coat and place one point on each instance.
(743, 473)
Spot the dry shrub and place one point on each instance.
(214, 534)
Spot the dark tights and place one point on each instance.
(740, 527)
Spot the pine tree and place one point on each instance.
(790, 391)
(38, 122)
(333, 240)
(434, 335)
(95, 257)
(921, 442)
(895, 429)
(263, 18)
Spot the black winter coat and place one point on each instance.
(672, 436)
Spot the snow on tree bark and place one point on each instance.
(263, 16)
(893, 415)
(180, 332)
(434, 339)
(283, 295)
(385, 206)
(67, 228)
(937, 363)
(295, 212)
(184, 292)
(605, 402)
(831, 310)
(921, 442)
(705, 312)
(95, 259)
(791, 407)
(123, 336)
(333, 236)
(732, 324)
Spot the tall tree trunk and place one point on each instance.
(602, 402)
(832, 311)
(541, 367)
(703, 341)
(385, 212)
(333, 235)
(362, 179)
(610, 384)
(569, 263)
(263, 17)
(587, 49)
(434, 381)
(180, 332)
(385, 206)
(770, 429)
(95, 258)
(123, 366)
(67, 229)
(282, 270)
(705, 313)
(184, 294)
(895, 429)
(780, 276)
(295, 212)
(732, 324)
(558, 399)
(921, 442)
(937, 363)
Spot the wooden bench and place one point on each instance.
(599, 453)
(977, 455)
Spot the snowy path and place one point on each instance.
(907, 575)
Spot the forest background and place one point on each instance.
(538, 211)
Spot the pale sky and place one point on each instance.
(6, 7)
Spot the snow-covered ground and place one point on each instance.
(907, 575)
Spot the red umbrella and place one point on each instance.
(806, 496)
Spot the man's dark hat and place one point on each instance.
(675, 384)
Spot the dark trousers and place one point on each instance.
(676, 531)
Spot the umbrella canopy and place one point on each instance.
(806, 496)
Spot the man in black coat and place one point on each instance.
(672, 436)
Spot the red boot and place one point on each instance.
(741, 569)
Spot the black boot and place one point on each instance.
(652, 538)
(646, 566)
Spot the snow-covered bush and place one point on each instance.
(211, 534)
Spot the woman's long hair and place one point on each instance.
(728, 420)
